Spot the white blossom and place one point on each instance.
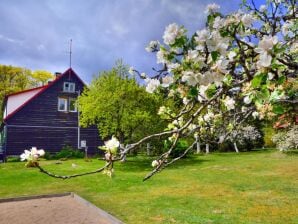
(202, 95)
(232, 55)
(152, 85)
(143, 75)
(247, 20)
(221, 65)
(264, 60)
(190, 78)
(32, 155)
(202, 36)
(229, 103)
(255, 114)
(152, 45)
(185, 100)
(171, 33)
(247, 100)
(172, 66)
(211, 8)
(192, 127)
(131, 70)
(154, 163)
(162, 110)
(112, 143)
(270, 76)
(192, 54)
(208, 117)
(161, 59)
(286, 29)
(167, 81)
(266, 44)
(26, 155)
(218, 23)
(263, 8)
(41, 152)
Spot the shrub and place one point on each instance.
(69, 152)
(286, 140)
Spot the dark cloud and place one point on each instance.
(35, 34)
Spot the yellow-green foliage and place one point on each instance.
(119, 106)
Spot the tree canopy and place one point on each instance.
(118, 106)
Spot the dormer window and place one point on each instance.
(69, 87)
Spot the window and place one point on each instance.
(62, 104)
(69, 87)
(72, 105)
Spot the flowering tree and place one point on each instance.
(247, 58)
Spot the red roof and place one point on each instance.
(43, 88)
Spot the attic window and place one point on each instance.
(69, 87)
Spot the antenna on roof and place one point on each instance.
(70, 45)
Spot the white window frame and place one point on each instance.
(71, 87)
(65, 103)
(76, 108)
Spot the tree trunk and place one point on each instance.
(124, 158)
(235, 147)
(198, 145)
(148, 149)
(207, 148)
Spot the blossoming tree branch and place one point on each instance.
(240, 66)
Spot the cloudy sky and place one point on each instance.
(35, 34)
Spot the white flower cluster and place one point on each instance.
(229, 103)
(152, 85)
(264, 49)
(172, 32)
(32, 155)
(112, 144)
(152, 46)
(212, 8)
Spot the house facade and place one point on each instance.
(46, 117)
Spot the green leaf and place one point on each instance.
(214, 55)
(278, 109)
(193, 92)
(258, 80)
(281, 80)
(211, 91)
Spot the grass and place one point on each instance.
(254, 187)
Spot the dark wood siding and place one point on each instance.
(50, 139)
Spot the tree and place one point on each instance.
(40, 78)
(119, 106)
(248, 56)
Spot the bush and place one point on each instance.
(66, 152)
(286, 140)
(13, 159)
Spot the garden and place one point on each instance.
(210, 137)
(254, 187)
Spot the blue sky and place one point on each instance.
(35, 34)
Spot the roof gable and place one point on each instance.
(69, 72)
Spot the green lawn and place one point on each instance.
(256, 187)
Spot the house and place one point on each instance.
(46, 117)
